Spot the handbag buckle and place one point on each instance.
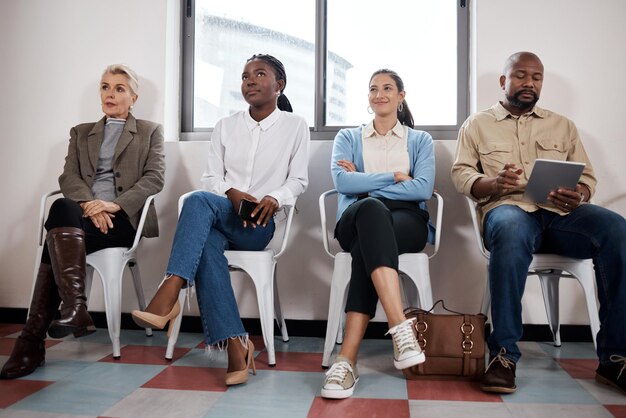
(467, 328)
(421, 327)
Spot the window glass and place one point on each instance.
(417, 39)
(227, 33)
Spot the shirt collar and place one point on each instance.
(369, 131)
(501, 112)
(265, 124)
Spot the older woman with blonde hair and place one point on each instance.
(111, 167)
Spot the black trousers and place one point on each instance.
(375, 232)
(68, 213)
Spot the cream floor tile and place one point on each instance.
(79, 351)
(557, 411)
(164, 403)
(441, 409)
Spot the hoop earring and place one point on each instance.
(401, 107)
(369, 110)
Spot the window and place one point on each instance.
(329, 48)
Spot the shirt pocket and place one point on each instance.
(551, 149)
(494, 155)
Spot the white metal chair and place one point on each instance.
(110, 264)
(415, 267)
(260, 266)
(549, 268)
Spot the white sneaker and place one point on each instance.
(340, 379)
(406, 350)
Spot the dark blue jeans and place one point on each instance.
(208, 225)
(513, 235)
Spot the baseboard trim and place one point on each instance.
(313, 328)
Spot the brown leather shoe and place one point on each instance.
(613, 374)
(500, 375)
(67, 253)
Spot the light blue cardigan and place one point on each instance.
(348, 145)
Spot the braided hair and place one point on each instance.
(279, 70)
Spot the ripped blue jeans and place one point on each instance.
(208, 225)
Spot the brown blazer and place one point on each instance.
(138, 166)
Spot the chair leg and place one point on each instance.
(416, 268)
(336, 303)
(88, 280)
(173, 337)
(550, 289)
(280, 319)
(111, 271)
(265, 297)
(141, 299)
(342, 318)
(486, 303)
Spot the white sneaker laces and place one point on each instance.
(615, 358)
(506, 363)
(338, 372)
(403, 337)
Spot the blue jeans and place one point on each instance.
(208, 225)
(513, 235)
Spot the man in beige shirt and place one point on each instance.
(495, 154)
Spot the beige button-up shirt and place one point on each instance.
(386, 153)
(494, 137)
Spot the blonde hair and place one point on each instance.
(133, 81)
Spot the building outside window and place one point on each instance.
(330, 49)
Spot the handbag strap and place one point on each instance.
(443, 305)
(467, 328)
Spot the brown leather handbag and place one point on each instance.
(454, 344)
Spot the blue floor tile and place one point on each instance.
(91, 391)
(55, 370)
(271, 394)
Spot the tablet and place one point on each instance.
(549, 175)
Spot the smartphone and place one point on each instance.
(245, 210)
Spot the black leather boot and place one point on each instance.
(67, 253)
(29, 350)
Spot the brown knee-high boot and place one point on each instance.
(67, 253)
(29, 350)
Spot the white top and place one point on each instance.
(269, 157)
(385, 153)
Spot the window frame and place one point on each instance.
(320, 131)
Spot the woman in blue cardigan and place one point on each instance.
(384, 172)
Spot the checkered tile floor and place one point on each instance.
(81, 378)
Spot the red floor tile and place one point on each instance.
(141, 354)
(12, 391)
(189, 378)
(448, 390)
(292, 362)
(359, 408)
(8, 329)
(6, 345)
(579, 368)
(618, 411)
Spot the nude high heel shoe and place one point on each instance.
(150, 320)
(241, 376)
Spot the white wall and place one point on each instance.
(53, 54)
